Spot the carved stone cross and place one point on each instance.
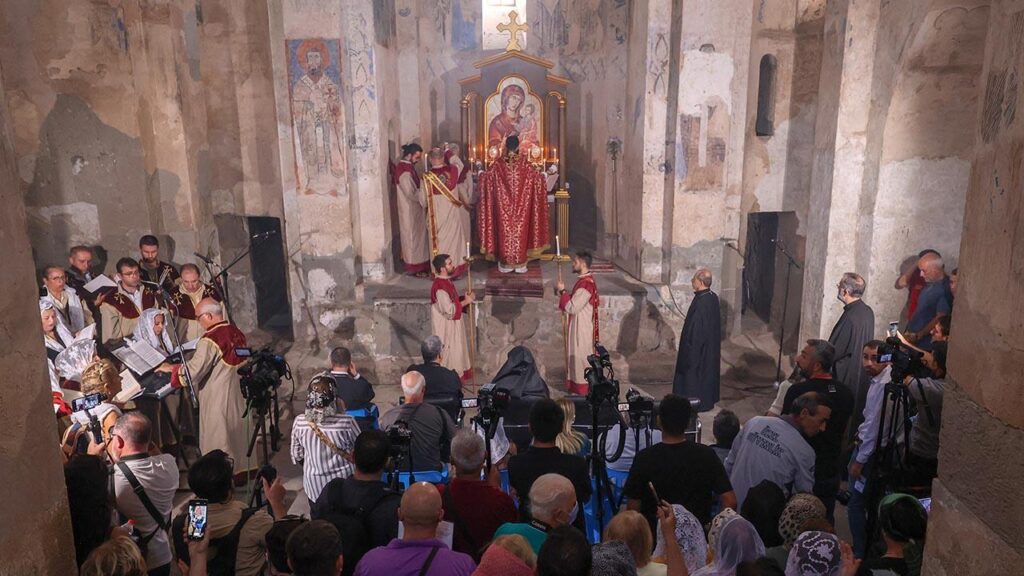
(513, 27)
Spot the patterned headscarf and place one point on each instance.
(815, 554)
(799, 509)
(145, 330)
(736, 542)
(690, 536)
(716, 525)
(320, 402)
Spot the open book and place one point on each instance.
(130, 388)
(101, 281)
(139, 356)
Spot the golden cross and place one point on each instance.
(513, 27)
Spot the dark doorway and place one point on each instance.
(269, 274)
(759, 272)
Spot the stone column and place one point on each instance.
(977, 512)
(35, 534)
(840, 158)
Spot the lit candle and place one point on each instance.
(467, 251)
(558, 247)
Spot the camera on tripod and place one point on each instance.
(400, 436)
(261, 375)
(639, 408)
(492, 401)
(905, 361)
(600, 377)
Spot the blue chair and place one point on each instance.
(431, 476)
(367, 418)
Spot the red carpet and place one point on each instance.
(529, 285)
(602, 267)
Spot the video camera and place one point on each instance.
(640, 409)
(261, 375)
(600, 377)
(905, 361)
(400, 436)
(492, 401)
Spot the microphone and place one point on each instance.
(263, 235)
(203, 258)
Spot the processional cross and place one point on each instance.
(513, 27)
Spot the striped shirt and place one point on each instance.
(321, 463)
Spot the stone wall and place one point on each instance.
(35, 535)
(890, 170)
(977, 513)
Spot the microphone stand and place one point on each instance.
(221, 278)
(168, 300)
(790, 264)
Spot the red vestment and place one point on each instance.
(512, 216)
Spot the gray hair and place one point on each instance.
(547, 494)
(704, 276)
(467, 451)
(134, 427)
(431, 348)
(213, 308)
(413, 383)
(824, 353)
(854, 284)
(935, 262)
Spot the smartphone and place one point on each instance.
(469, 402)
(243, 352)
(197, 511)
(623, 407)
(87, 402)
(894, 327)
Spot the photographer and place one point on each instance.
(440, 382)
(100, 377)
(924, 436)
(432, 428)
(214, 370)
(237, 534)
(144, 487)
(641, 411)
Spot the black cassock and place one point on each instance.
(854, 329)
(698, 364)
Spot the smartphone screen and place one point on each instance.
(87, 402)
(197, 510)
(469, 402)
(623, 406)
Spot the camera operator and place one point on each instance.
(638, 417)
(100, 377)
(214, 370)
(144, 487)
(237, 533)
(440, 382)
(924, 436)
(432, 428)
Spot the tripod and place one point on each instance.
(264, 407)
(790, 264)
(396, 465)
(888, 463)
(598, 470)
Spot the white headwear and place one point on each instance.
(690, 535)
(144, 329)
(63, 334)
(737, 542)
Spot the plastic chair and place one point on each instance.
(367, 418)
(430, 476)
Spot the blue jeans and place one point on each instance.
(856, 510)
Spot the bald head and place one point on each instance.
(421, 507)
(413, 386)
(552, 498)
(701, 279)
(209, 312)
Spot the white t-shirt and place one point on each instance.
(159, 476)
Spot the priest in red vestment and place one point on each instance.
(512, 216)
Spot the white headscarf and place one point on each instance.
(64, 336)
(144, 330)
(737, 542)
(815, 554)
(690, 535)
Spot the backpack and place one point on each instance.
(354, 528)
(223, 562)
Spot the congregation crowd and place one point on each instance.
(473, 498)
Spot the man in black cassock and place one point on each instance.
(855, 328)
(698, 364)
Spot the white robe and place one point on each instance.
(452, 333)
(412, 222)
